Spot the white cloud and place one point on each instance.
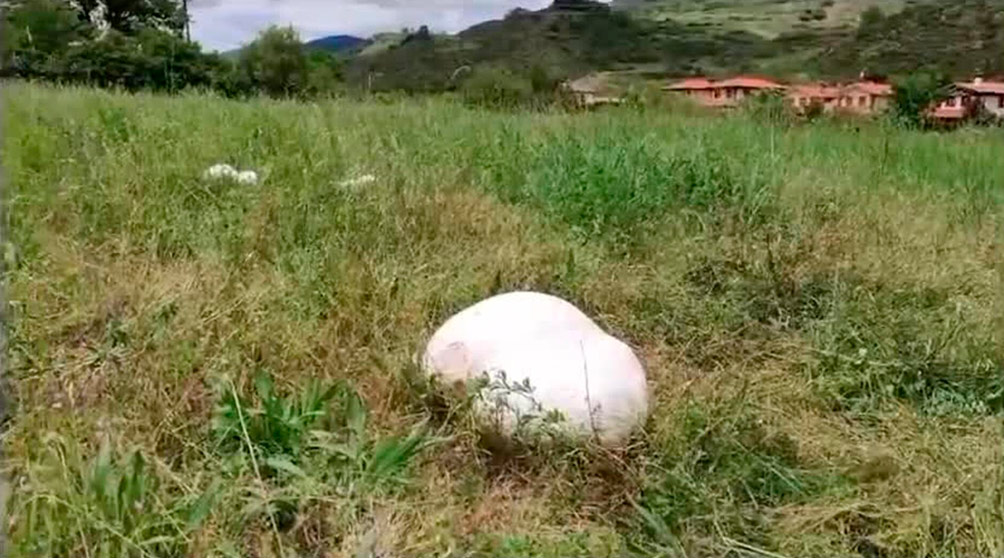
(226, 24)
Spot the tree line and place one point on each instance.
(144, 45)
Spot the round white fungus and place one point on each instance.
(547, 365)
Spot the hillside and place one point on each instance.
(568, 38)
(768, 18)
(339, 43)
(794, 39)
(960, 38)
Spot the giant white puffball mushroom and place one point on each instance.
(593, 380)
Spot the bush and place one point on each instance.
(275, 62)
(769, 107)
(915, 95)
(497, 88)
(324, 71)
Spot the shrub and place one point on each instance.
(771, 107)
(914, 95)
(324, 71)
(275, 62)
(496, 88)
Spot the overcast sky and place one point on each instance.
(227, 24)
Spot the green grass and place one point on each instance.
(768, 18)
(209, 369)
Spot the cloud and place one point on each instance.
(226, 24)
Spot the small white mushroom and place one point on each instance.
(218, 171)
(357, 181)
(224, 171)
(247, 177)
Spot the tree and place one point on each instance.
(324, 71)
(541, 81)
(275, 62)
(914, 95)
(44, 25)
(37, 33)
(129, 16)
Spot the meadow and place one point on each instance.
(204, 368)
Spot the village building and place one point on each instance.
(593, 89)
(725, 93)
(863, 97)
(966, 98)
(698, 89)
(804, 96)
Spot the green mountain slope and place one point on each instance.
(768, 18)
(685, 37)
(961, 38)
(569, 38)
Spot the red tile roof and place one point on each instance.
(989, 87)
(691, 83)
(749, 82)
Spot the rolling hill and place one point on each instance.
(338, 43)
(795, 39)
(768, 18)
(568, 38)
(960, 38)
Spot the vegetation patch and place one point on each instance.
(916, 346)
(246, 341)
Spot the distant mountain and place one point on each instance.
(341, 44)
(338, 43)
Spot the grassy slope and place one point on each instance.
(816, 307)
(679, 37)
(768, 18)
(958, 38)
(563, 42)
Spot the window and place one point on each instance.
(718, 93)
(862, 101)
(950, 102)
(730, 93)
(1000, 101)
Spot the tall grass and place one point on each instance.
(816, 306)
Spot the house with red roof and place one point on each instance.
(862, 97)
(990, 94)
(805, 95)
(967, 98)
(865, 97)
(723, 93)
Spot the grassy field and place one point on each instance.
(212, 369)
